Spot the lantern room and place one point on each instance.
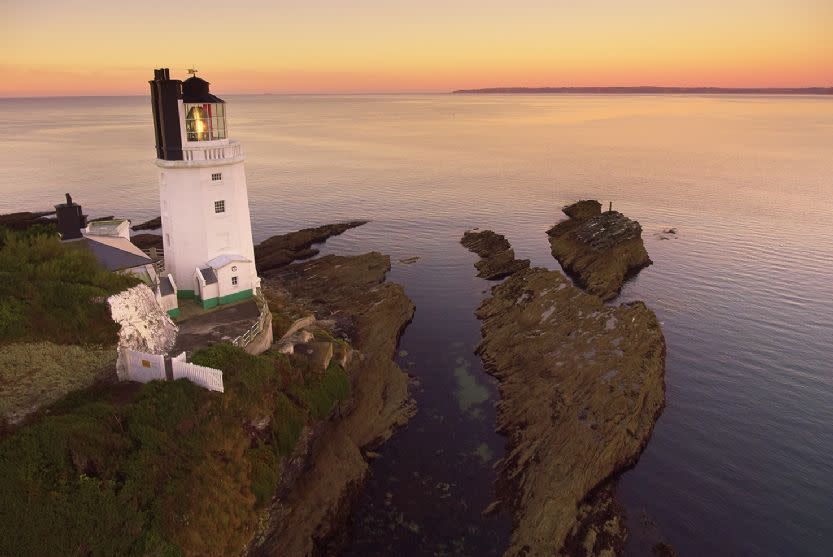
(205, 114)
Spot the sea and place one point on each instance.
(741, 460)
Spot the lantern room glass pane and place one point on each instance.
(205, 121)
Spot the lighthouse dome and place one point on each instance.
(195, 90)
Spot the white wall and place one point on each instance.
(192, 232)
(243, 273)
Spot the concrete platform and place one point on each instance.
(198, 329)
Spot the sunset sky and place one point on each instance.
(104, 47)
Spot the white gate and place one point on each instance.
(208, 377)
(143, 367)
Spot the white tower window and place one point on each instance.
(220, 206)
(217, 176)
(234, 281)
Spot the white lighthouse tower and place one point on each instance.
(207, 231)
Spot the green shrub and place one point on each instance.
(287, 424)
(176, 470)
(320, 393)
(53, 291)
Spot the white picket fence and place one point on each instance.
(207, 377)
(143, 367)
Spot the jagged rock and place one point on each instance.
(284, 347)
(151, 224)
(485, 243)
(667, 234)
(343, 354)
(663, 549)
(492, 508)
(147, 241)
(497, 256)
(298, 325)
(144, 325)
(581, 385)
(25, 219)
(318, 354)
(600, 252)
(283, 249)
(600, 529)
(584, 209)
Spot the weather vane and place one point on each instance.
(192, 71)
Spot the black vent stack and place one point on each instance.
(70, 219)
(164, 96)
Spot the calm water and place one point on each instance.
(740, 462)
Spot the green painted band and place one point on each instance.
(242, 295)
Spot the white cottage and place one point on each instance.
(207, 232)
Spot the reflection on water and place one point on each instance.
(739, 462)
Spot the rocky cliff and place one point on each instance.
(351, 294)
(599, 250)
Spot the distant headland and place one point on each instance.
(653, 90)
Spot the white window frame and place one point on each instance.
(220, 206)
(234, 281)
(216, 176)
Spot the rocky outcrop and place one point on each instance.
(25, 219)
(351, 296)
(147, 241)
(598, 250)
(152, 224)
(283, 249)
(497, 256)
(584, 209)
(144, 325)
(581, 385)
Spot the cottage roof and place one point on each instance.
(166, 288)
(115, 253)
(222, 260)
(208, 275)
(110, 227)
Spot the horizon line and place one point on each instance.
(447, 92)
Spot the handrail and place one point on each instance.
(246, 338)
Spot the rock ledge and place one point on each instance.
(497, 256)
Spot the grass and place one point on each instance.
(39, 373)
(319, 394)
(176, 471)
(50, 291)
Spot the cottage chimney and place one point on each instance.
(70, 219)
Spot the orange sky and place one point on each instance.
(89, 47)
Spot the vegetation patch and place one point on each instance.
(176, 471)
(39, 373)
(319, 393)
(55, 292)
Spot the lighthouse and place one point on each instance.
(206, 227)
